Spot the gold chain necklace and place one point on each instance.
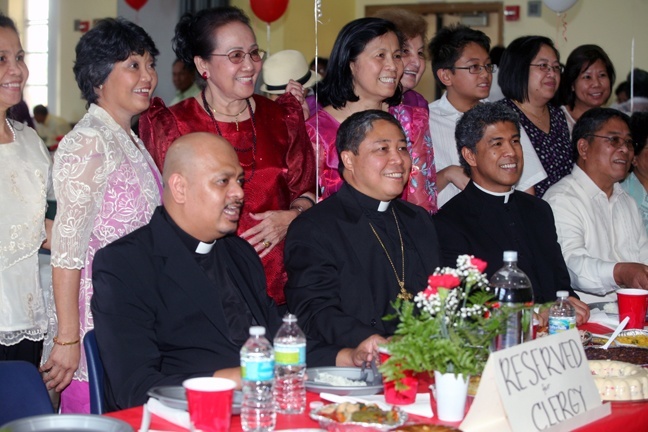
(234, 116)
(403, 294)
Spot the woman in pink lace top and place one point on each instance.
(365, 69)
(106, 186)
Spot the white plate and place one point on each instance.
(601, 306)
(67, 422)
(346, 372)
(175, 397)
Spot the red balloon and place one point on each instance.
(269, 10)
(136, 4)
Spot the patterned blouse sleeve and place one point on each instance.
(82, 165)
(300, 157)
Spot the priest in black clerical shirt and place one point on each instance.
(489, 216)
(175, 298)
(357, 251)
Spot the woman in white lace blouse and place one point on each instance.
(106, 186)
(24, 181)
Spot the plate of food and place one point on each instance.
(342, 381)
(175, 397)
(347, 416)
(633, 337)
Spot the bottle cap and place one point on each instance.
(257, 331)
(510, 256)
(289, 318)
(562, 294)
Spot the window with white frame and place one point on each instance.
(35, 44)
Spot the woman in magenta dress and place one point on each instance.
(269, 137)
(365, 69)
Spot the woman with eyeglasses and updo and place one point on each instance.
(529, 76)
(269, 137)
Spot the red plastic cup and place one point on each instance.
(210, 403)
(632, 303)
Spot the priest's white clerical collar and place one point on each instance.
(383, 206)
(205, 248)
(506, 195)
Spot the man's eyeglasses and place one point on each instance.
(237, 56)
(477, 68)
(546, 67)
(616, 141)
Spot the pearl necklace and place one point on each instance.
(13, 132)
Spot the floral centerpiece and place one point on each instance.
(449, 327)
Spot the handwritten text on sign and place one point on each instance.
(545, 382)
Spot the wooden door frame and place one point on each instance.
(450, 8)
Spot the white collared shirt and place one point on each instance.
(443, 120)
(595, 232)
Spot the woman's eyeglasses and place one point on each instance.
(477, 68)
(546, 67)
(237, 56)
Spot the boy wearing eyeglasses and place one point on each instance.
(461, 65)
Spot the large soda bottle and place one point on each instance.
(257, 373)
(290, 367)
(513, 288)
(562, 315)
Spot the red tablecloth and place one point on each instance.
(625, 417)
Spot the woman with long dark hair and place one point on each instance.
(364, 72)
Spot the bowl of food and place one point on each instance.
(349, 417)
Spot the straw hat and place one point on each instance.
(283, 66)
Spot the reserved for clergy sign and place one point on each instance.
(543, 385)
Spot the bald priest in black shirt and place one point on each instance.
(175, 298)
(489, 216)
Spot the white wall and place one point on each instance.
(68, 102)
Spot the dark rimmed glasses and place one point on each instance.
(237, 56)
(546, 67)
(476, 69)
(616, 141)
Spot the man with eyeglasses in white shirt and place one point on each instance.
(599, 226)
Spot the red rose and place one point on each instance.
(479, 264)
(430, 291)
(446, 281)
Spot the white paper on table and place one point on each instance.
(597, 316)
(172, 415)
(420, 408)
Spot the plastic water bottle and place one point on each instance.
(562, 315)
(290, 367)
(513, 288)
(257, 373)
